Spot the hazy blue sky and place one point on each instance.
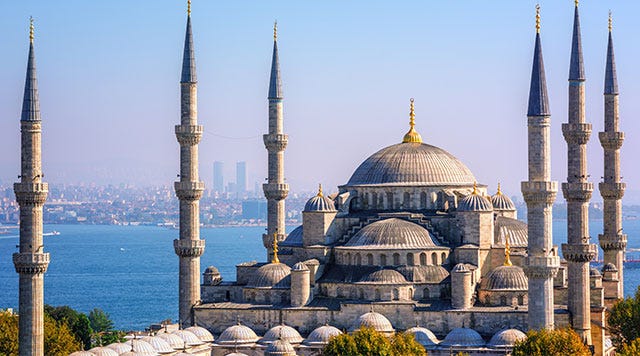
(109, 73)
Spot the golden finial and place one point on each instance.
(475, 188)
(610, 21)
(275, 30)
(320, 190)
(275, 258)
(576, 1)
(507, 251)
(499, 192)
(412, 135)
(537, 18)
(189, 7)
(31, 29)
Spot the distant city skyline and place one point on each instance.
(109, 77)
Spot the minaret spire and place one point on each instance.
(612, 240)
(31, 193)
(539, 192)
(412, 135)
(189, 247)
(576, 68)
(275, 190)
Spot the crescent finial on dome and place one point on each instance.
(412, 135)
(320, 190)
(507, 251)
(275, 258)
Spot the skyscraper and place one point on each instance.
(241, 178)
(218, 176)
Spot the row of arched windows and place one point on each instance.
(386, 200)
(410, 259)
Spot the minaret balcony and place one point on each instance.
(275, 142)
(31, 263)
(576, 134)
(539, 192)
(612, 191)
(611, 140)
(189, 190)
(189, 248)
(577, 192)
(31, 194)
(275, 191)
(189, 135)
(579, 253)
(541, 267)
(613, 243)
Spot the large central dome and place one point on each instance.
(412, 163)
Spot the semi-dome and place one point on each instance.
(376, 321)
(384, 276)
(282, 332)
(502, 202)
(319, 203)
(515, 230)
(391, 233)
(174, 341)
(475, 202)
(202, 333)
(159, 344)
(140, 346)
(423, 336)
(321, 335)
(506, 338)
(506, 278)
(280, 348)
(294, 239)
(119, 347)
(412, 163)
(271, 275)
(463, 337)
(237, 335)
(188, 337)
(104, 351)
(235, 354)
(424, 274)
(82, 353)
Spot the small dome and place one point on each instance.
(391, 233)
(321, 335)
(282, 332)
(188, 337)
(424, 274)
(502, 202)
(609, 267)
(237, 334)
(211, 270)
(141, 347)
(271, 275)
(506, 278)
(82, 353)
(202, 333)
(384, 276)
(235, 354)
(423, 336)
(159, 344)
(374, 320)
(280, 348)
(463, 337)
(294, 239)
(593, 272)
(300, 267)
(515, 230)
(474, 202)
(174, 341)
(104, 351)
(460, 267)
(119, 347)
(319, 203)
(132, 353)
(506, 338)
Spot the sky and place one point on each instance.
(109, 70)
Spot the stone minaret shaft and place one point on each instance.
(612, 241)
(539, 193)
(275, 190)
(189, 189)
(577, 192)
(31, 262)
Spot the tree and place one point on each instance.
(77, 322)
(630, 349)
(624, 320)
(368, 342)
(58, 339)
(100, 321)
(559, 342)
(8, 333)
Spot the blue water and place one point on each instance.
(131, 272)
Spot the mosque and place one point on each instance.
(411, 242)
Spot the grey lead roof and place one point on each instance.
(538, 99)
(30, 101)
(275, 83)
(576, 68)
(610, 77)
(189, 57)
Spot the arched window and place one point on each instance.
(352, 294)
(349, 258)
(396, 294)
(378, 294)
(361, 293)
(406, 200)
(383, 260)
(425, 294)
(358, 259)
(423, 259)
(503, 300)
(380, 202)
(444, 258)
(423, 200)
(370, 259)
(365, 201)
(410, 259)
(521, 300)
(396, 259)
(434, 259)
(267, 298)
(374, 200)
(339, 292)
(390, 200)
(410, 296)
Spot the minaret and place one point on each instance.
(189, 189)
(612, 241)
(577, 192)
(539, 193)
(275, 190)
(31, 193)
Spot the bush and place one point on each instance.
(624, 321)
(630, 349)
(560, 342)
(368, 342)
(58, 338)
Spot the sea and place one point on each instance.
(131, 272)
